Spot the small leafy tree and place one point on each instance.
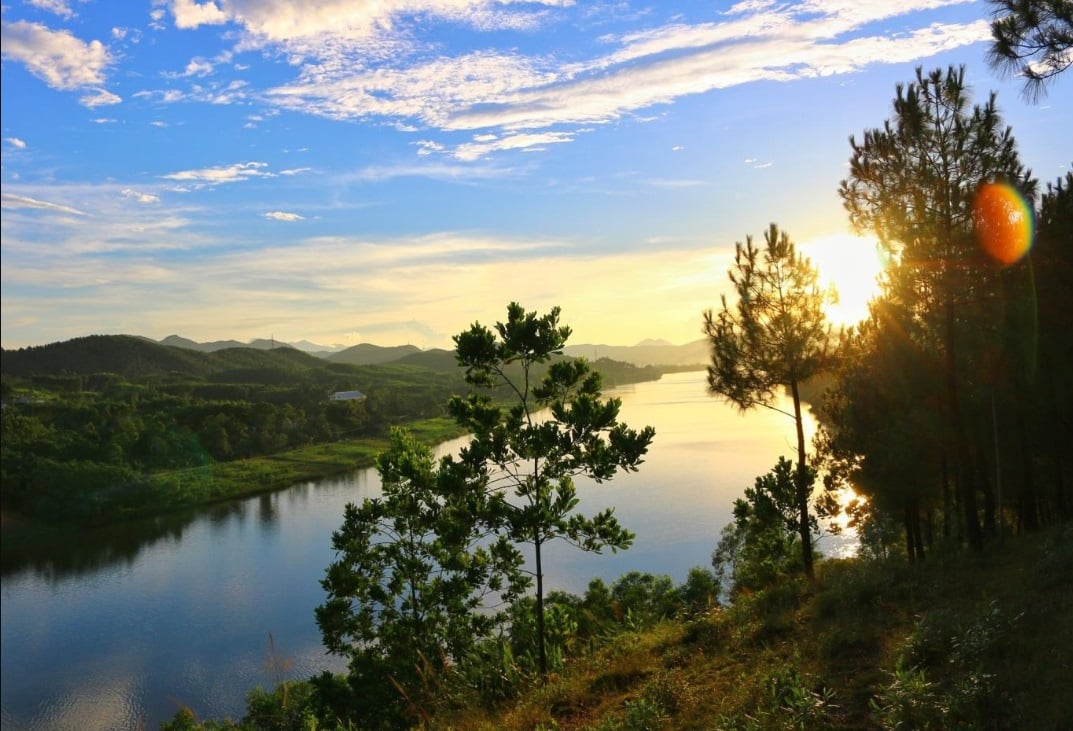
(414, 568)
(759, 546)
(556, 427)
(1033, 39)
(775, 337)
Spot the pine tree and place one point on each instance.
(913, 183)
(776, 336)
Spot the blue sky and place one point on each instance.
(390, 171)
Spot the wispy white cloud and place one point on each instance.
(59, 7)
(293, 21)
(222, 174)
(430, 91)
(100, 98)
(191, 14)
(13, 201)
(435, 171)
(283, 216)
(140, 197)
(198, 67)
(483, 145)
(56, 57)
(15, 142)
(92, 220)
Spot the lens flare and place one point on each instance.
(1003, 222)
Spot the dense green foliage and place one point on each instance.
(90, 447)
(411, 580)
(962, 642)
(760, 546)
(527, 458)
(428, 580)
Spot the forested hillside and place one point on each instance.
(91, 424)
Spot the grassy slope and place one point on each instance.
(1007, 613)
(239, 478)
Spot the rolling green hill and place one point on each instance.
(134, 357)
(369, 354)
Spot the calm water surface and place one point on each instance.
(120, 628)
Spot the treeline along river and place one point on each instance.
(120, 627)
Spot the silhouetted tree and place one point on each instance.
(879, 428)
(913, 183)
(1050, 423)
(775, 336)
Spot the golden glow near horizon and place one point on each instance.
(852, 265)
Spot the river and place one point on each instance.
(119, 628)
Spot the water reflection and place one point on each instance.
(78, 552)
(71, 552)
(119, 626)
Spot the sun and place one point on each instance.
(852, 265)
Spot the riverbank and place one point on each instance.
(169, 492)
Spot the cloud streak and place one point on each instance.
(13, 201)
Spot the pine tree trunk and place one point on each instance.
(802, 487)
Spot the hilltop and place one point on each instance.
(136, 357)
(649, 352)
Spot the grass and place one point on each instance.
(962, 641)
(242, 478)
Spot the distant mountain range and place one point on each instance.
(645, 353)
(260, 344)
(122, 354)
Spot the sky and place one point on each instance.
(391, 171)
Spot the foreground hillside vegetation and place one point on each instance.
(966, 641)
(962, 641)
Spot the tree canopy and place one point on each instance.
(555, 429)
(1032, 39)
